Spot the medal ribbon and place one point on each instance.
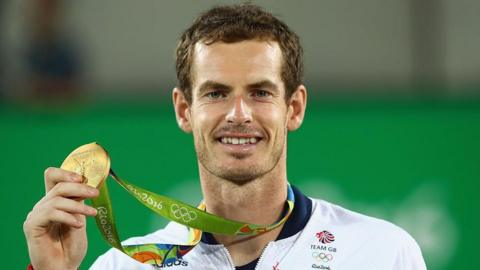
(195, 218)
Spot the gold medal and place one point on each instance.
(91, 161)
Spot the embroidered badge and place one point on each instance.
(325, 237)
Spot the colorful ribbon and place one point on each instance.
(196, 219)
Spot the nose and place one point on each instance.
(240, 112)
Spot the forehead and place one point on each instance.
(237, 63)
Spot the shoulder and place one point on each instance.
(115, 259)
(336, 216)
(355, 232)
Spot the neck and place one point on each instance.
(260, 201)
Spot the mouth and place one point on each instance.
(239, 140)
(239, 147)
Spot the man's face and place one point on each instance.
(238, 112)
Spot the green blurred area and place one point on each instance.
(415, 163)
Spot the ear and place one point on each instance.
(182, 110)
(296, 108)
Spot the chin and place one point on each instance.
(240, 175)
(237, 168)
(240, 178)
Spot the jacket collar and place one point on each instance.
(296, 222)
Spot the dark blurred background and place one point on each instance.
(392, 127)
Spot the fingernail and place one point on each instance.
(92, 211)
(92, 191)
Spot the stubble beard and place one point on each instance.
(240, 175)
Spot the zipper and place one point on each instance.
(229, 257)
(262, 255)
(230, 260)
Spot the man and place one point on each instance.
(240, 92)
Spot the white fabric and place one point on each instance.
(361, 242)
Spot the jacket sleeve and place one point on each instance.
(105, 261)
(409, 256)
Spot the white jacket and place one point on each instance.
(359, 242)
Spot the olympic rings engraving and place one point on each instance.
(182, 213)
(320, 256)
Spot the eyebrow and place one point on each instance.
(213, 85)
(220, 86)
(264, 84)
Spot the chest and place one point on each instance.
(298, 255)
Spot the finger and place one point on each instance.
(53, 176)
(57, 210)
(72, 190)
(71, 206)
(44, 217)
(63, 217)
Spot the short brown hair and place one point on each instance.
(234, 23)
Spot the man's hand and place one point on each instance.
(56, 227)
